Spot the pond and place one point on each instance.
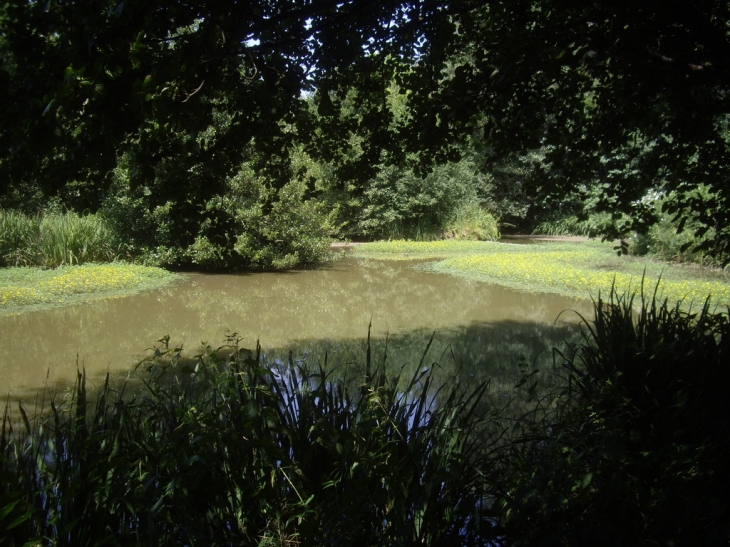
(480, 329)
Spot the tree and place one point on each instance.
(632, 96)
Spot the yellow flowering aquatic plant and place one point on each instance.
(26, 288)
(575, 269)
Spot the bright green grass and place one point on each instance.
(415, 250)
(24, 289)
(574, 269)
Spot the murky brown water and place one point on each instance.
(482, 327)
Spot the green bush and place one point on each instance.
(662, 241)
(294, 231)
(399, 204)
(249, 225)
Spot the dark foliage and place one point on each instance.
(224, 452)
(629, 95)
(634, 451)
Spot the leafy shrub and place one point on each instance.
(294, 231)
(662, 241)
(399, 204)
(249, 225)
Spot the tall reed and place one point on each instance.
(52, 239)
(223, 451)
(570, 225)
(634, 450)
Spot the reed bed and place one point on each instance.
(594, 225)
(222, 451)
(52, 240)
(633, 451)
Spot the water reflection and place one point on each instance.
(310, 312)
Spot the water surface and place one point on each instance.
(480, 327)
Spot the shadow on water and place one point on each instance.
(500, 352)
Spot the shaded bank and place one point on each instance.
(229, 452)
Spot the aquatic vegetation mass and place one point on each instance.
(27, 287)
(579, 270)
(403, 250)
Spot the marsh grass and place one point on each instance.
(595, 224)
(634, 450)
(53, 239)
(469, 222)
(24, 289)
(222, 451)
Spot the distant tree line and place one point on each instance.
(219, 126)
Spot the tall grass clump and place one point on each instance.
(471, 221)
(224, 451)
(571, 225)
(634, 450)
(52, 239)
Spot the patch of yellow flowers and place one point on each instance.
(70, 282)
(566, 269)
(560, 272)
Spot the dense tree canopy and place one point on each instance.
(631, 98)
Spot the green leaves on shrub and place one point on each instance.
(249, 225)
(400, 204)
